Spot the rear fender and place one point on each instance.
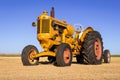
(87, 30)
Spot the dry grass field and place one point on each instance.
(11, 68)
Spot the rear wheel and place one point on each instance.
(107, 56)
(51, 59)
(27, 55)
(64, 55)
(80, 59)
(92, 48)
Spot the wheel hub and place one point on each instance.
(98, 49)
(108, 57)
(32, 55)
(66, 55)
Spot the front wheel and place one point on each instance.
(64, 55)
(27, 55)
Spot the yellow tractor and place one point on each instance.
(60, 44)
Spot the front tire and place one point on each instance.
(92, 48)
(64, 55)
(27, 56)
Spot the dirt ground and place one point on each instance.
(11, 68)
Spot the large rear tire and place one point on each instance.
(27, 54)
(92, 48)
(64, 55)
(80, 59)
(51, 59)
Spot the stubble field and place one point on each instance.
(11, 68)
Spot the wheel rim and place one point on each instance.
(108, 57)
(66, 56)
(32, 53)
(97, 48)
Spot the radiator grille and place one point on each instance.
(45, 25)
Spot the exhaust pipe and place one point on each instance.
(52, 12)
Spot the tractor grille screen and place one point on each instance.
(45, 26)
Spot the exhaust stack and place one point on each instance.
(52, 12)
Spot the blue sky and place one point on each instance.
(16, 17)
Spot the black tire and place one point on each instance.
(107, 56)
(51, 59)
(64, 58)
(80, 59)
(25, 56)
(92, 48)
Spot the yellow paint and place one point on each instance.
(87, 30)
(42, 54)
(52, 32)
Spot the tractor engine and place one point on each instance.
(51, 31)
